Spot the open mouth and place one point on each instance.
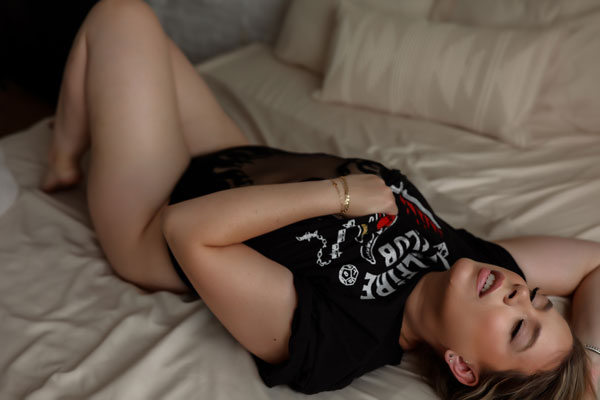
(488, 281)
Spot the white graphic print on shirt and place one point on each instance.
(401, 257)
(348, 275)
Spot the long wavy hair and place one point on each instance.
(569, 381)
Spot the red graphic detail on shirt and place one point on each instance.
(422, 218)
(385, 221)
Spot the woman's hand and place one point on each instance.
(368, 195)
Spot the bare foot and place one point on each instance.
(63, 173)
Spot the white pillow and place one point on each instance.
(570, 97)
(306, 31)
(510, 13)
(482, 79)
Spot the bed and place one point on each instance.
(70, 329)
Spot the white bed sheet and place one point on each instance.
(70, 329)
(550, 187)
(9, 186)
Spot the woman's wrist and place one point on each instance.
(594, 358)
(595, 350)
(341, 187)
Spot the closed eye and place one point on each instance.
(533, 293)
(515, 331)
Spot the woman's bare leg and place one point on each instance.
(131, 93)
(147, 113)
(206, 127)
(70, 138)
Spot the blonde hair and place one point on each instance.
(569, 381)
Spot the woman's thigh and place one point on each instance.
(206, 126)
(138, 151)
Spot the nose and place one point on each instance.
(518, 294)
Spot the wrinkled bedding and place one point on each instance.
(70, 329)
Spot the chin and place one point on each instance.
(461, 284)
(462, 271)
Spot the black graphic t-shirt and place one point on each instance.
(352, 276)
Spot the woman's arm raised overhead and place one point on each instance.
(556, 265)
(565, 267)
(585, 317)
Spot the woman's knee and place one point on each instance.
(108, 15)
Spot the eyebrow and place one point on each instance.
(537, 329)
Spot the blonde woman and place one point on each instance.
(323, 268)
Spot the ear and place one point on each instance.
(465, 373)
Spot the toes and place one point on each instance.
(63, 168)
(60, 179)
(49, 183)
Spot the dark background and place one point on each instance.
(35, 38)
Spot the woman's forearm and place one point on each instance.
(586, 309)
(236, 215)
(585, 316)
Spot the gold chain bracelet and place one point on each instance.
(345, 198)
(346, 204)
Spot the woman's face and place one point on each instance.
(501, 328)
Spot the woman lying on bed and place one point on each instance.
(323, 268)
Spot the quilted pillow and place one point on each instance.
(482, 79)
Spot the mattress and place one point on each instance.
(71, 329)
